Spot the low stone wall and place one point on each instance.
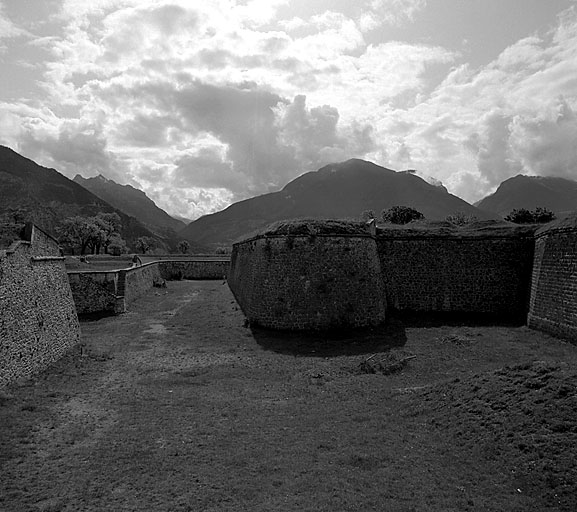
(469, 273)
(194, 269)
(136, 282)
(113, 291)
(308, 282)
(38, 321)
(94, 291)
(553, 304)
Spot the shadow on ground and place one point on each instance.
(332, 343)
(455, 319)
(371, 340)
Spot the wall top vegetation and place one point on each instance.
(566, 224)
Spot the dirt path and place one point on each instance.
(176, 406)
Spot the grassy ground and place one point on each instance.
(176, 406)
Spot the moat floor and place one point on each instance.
(177, 406)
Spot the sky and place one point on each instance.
(202, 103)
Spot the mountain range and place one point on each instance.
(556, 194)
(131, 201)
(338, 191)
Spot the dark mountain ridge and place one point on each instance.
(46, 197)
(132, 201)
(557, 194)
(336, 191)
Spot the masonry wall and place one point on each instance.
(308, 282)
(38, 321)
(113, 291)
(553, 305)
(194, 269)
(94, 291)
(457, 274)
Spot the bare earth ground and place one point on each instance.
(176, 406)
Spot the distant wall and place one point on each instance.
(113, 291)
(468, 273)
(38, 321)
(553, 305)
(194, 269)
(94, 291)
(308, 282)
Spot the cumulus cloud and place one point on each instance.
(389, 12)
(545, 144)
(201, 103)
(9, 29)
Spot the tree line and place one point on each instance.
(406, 214)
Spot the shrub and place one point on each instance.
(539, 215)
(461, 218)
(401, 215)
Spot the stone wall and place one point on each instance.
(136, 282)
(38, 321)
(553, 305)
(194, 269)
(113, 291)
(300, 282)
(94, 291)
(308, 282)
(469, 273)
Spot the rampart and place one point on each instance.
(112, 291)
(484, 272)
(553, 304)
(285, 281)
(306, 282)
(38, 320)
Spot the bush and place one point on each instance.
(368, 215)
(461, 218)
(537, 216)
(401, 215)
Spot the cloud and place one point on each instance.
(389, 12)
(479, 127)
(9, 29)
(206, 102)
(544, 144)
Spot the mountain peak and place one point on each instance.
(521, 191)
(340, 190)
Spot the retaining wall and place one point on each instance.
(553, 305)
(38, 321)
(308, 282)
(94, 291)
(468, 273)
(113, 291)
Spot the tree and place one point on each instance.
(461, 218)
(539, 215)
(543, 215)
(368, 215)
(144, 244)
(89, 233)
(117, 245)
(401, 215)
(79, 232)
(183, 247)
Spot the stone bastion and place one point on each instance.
(312, 277)
(553, 304)
(311, 274)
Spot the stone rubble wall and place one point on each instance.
(448, 274)
(38, 320)
(286, 282)
(94, 291)
(553, 304)
(113, 291)
(308, 282)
